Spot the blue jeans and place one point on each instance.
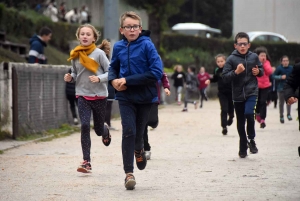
(245, 111)
(134, 120)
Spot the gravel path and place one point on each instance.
(191, 160)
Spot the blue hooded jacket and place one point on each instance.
(36, 52)
(139, 63)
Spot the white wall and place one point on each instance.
(280, 16)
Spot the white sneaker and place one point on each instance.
(75, 121)
(148, 155)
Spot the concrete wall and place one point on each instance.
(280, 16)
(96, 8)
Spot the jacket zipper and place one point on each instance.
(246, 77)
(128, 58)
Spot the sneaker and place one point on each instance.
(179, 103)
(195, 104)
(140, 158)
(242, 154)
(184, 110)
(148, 155)
(113, 128)
(229, 121)
(75, 120)
(289, 117)
(200, 106)
(262, 124)
(129, 181)
(224, 131)
(252, 147)
(85, 167)
(257, 117)
(282, 120)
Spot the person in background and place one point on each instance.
(273, 96)
(191, 88)
(37, 44)
(263, 86)
(179, 79)
(291, 86)
(105, 46)
(70, 93)
(73, 16)
(62, 11)
(224, 94)
(281, 73)
(202, 77)
(241, 69)
(153, 116)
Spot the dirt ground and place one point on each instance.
(191, 160)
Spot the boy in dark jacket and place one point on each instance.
(37, 44)
(134, 71)
(224, 94)
(241, 69)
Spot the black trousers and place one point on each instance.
(108, 112)
(152, 122)
(261, 106)
(227, 108)
(73, 102)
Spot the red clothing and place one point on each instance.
(165, 83)
(264, 81)
(202, 78)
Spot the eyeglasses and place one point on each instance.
(134, 27)
(241, 44)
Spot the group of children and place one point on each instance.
(134, 71)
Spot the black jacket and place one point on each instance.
(223, 87)
(179, 79)
(244, 84)
(291, 85)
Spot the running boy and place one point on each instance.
(224, 94)
(135, 68)
(90, 72)
(241, 69)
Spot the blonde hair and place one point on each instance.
(132, 15)
(104, 45)
(97, 34)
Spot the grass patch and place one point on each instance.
(63, 131)
(5, 135)
(1, 152)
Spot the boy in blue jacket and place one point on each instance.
(241, 69)
(134, 70)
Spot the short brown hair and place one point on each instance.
(241, 35)
(97, 34)
(132, 15)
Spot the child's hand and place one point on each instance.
(119, 84)
(239, 69)
(292, 100)
(207, 82)
(255, 70)
(68, 77)
(283, 77)
(167, 91)
(94, 78)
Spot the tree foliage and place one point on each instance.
(159, 12)
(217, 14)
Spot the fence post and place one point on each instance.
(15, 113)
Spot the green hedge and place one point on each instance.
(175, 42)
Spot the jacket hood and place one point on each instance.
(144, 33)
(235, 52)
(36, 38)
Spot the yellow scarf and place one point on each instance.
(82, 52)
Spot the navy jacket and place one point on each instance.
(280, 70)
(139, 63)
(223, 87)
(244, 84)
(36, 52)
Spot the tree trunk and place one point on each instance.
(154, 27)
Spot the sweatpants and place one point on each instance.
(261, 106)
(152, 122)
(281, 104)
(245, 112)
(85, 109)
(134, 120)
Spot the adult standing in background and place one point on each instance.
(37, 44)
